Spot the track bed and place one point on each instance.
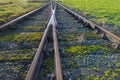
(73, 46)
(84, 54)
(19, 43)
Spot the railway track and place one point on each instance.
(84, 53)
(19, 40)
(72, 48)
(77, 47)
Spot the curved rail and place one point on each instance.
(37, 61)
(114, 38)
(58, 68)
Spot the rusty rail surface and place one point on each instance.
(59, 75)
(37, 61)
(111, 36)
(6, 25)
(58, 68)
(52, 23)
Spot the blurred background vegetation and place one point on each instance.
(99, 11)
(10, 9)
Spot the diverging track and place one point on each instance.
(86, 50)
(19, 40)
(50, 32)
(71, 47)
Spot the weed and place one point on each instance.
(103, 11)
(13, 8)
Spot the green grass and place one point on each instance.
(96, 69)
(99, 11)
(66, 37)
(48, 65)
(16, 55)
(117, 64)
(34, 28)
(33, 36)
(86, 49)
(10, 9)
(21, 37)
(117, 70)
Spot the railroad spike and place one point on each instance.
(116, 46)
(80, 21)
(86, 25)
(103, 36)
(96, 31)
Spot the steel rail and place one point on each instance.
(52, 24)
(114, 38)
(59, 75)
(37, 61)
(22, 17)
